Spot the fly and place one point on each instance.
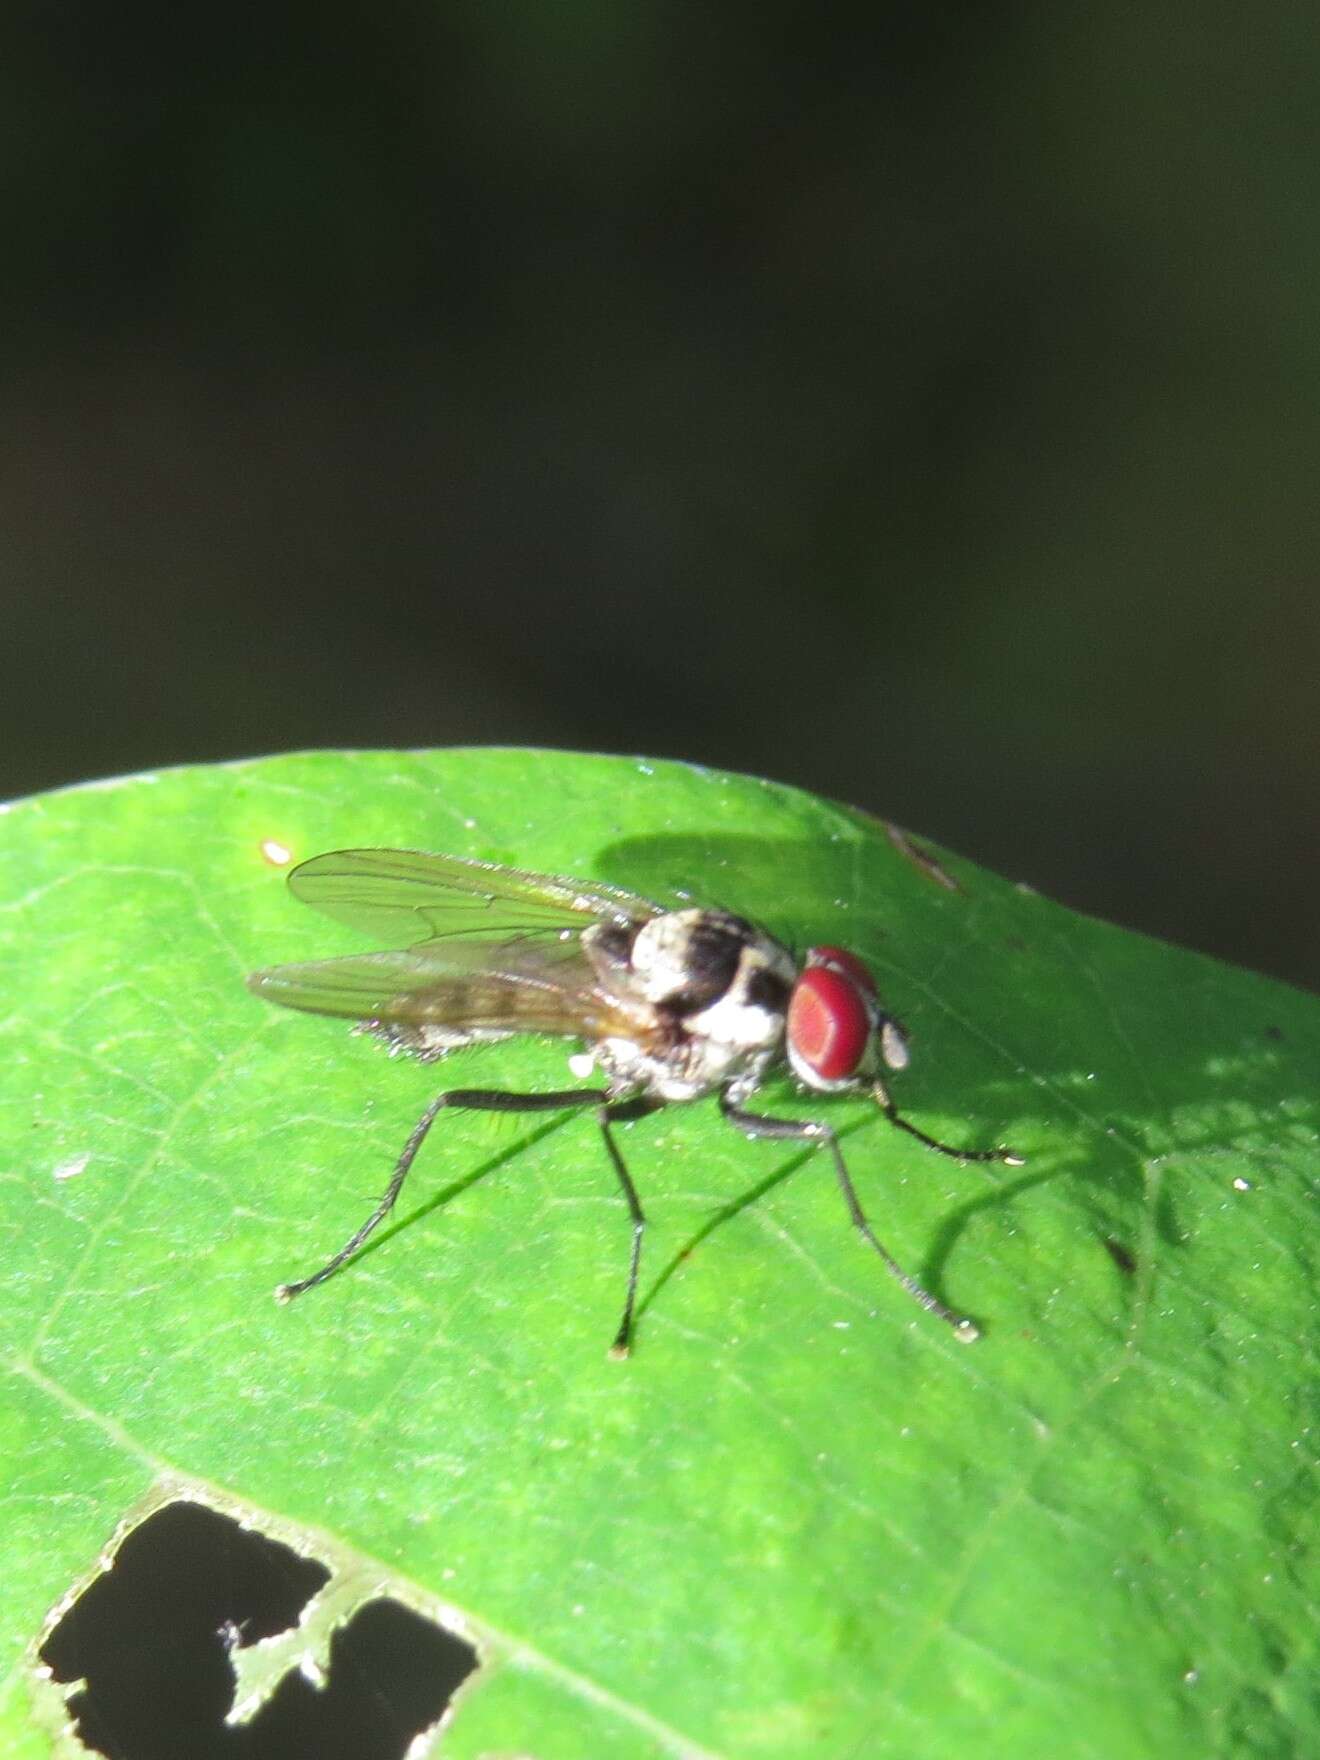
(671, 1005)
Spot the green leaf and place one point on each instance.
(803, 1519)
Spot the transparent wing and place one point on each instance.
(520, 988)
(410, 896)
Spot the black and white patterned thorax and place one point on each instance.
(717, 989)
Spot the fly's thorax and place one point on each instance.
(749, 1015)
(718, 989)
(686, 961)
(688, 1069)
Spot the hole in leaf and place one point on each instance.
(151, 1638)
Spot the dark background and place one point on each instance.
(919, 404)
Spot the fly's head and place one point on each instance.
(837, 1035)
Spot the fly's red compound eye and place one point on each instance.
(847, 963)
(829, 1023)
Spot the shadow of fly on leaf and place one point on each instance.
(669, 1005)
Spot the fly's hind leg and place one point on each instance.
(464, 1100)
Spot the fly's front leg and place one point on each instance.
(465, 1100)
(790, 1130)
(896, 1118)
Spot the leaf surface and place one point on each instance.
(803, 1519)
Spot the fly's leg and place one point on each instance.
(895, 1118)
(621, 1112)
(465, 1100)
(755, 1125)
